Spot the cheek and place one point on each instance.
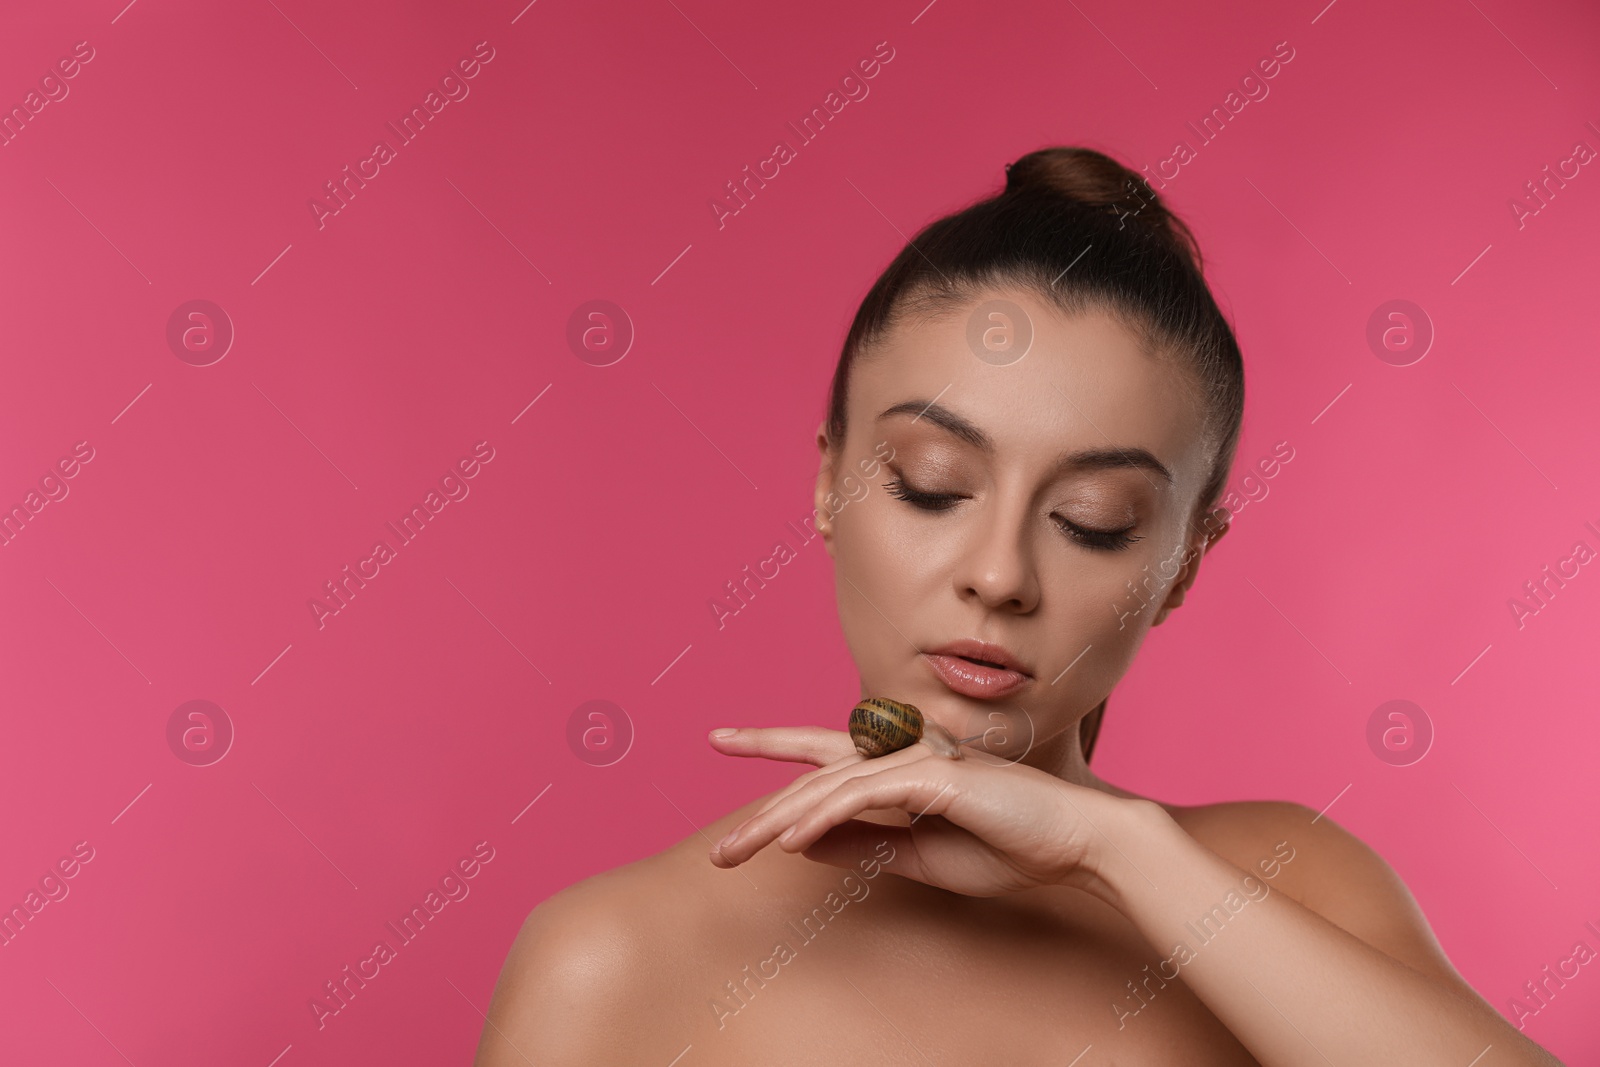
(893, 588)
(1096, 608)
(881, 581)
(886, 550)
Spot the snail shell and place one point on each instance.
(880, 726)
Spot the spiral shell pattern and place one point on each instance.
(879, 726)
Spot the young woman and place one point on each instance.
(1046, 400)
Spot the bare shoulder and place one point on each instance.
(578, 950)
(614, 939)
(1328, 870)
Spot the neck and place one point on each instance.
(1062, 756)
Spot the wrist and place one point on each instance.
(1127, 838)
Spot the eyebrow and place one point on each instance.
(1086, 459)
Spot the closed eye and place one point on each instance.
(1087, 536)
(925, 501)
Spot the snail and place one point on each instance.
(879, 726)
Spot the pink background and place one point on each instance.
(373, 753)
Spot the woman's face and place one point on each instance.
(1023, 481)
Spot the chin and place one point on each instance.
(1005, 722)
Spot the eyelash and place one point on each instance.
(1100, 540)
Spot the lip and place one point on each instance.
(951, 663)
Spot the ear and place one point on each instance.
(1217, 523)
(824, 487)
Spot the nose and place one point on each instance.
(997, 566)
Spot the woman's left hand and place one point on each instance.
(981, 826)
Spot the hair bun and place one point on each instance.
(1095, 180)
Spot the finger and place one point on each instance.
(758, 831)
(816, 745)
(850, 766)
(927, 787)
(869, 848)
(794, 787)
(802, 781)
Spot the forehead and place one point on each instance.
(1085, 382)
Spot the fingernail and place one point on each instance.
(724, 731)
(726, 841)
(788, 835)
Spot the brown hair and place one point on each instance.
(1085, 233)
